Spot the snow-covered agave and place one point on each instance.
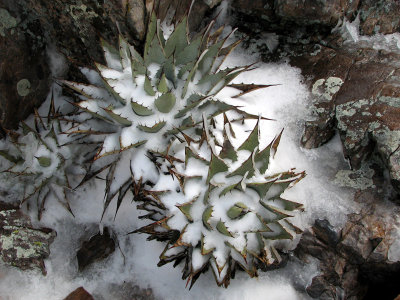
(152, 97)
(222, 207)
(38, 160)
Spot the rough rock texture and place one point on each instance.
(96, 248)
(24, 73)
(126, 291)
(358, 92)
(22, 245)
(79, 294)
(376, 16)
(354, 262)
(73, 27)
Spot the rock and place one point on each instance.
(79, 294)
(125, 291)
(311, 12)
(22, 245)
(24, 72)
(98, 247)
(379, 16)
(355, 261)
(365, 106)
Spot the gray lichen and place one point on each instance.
(6, 21)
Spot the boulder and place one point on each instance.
(79, 294)
(21, 244)
(98, 247)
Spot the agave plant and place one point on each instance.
(38, 160)
(142, 101)
(222, 208)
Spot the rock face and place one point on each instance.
(354, 262)
(73, 27)
(376, 16)
(358, 90)
(22, 245)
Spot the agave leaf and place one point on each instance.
(108, 81)
(287, 204)
(124, 53)
(44, 161)
(246, 167)
(122, 192)
(185, 208)
(26, 128)
(280, 214)
(92, 173)
(135, 56)
(160, 34)
(151, 31)
(261, 159)
(140, 110)
(191, 74)
(222, 229)
(169, 71)
(228, 49)
(228, 151)
(148, 87)
(190, 53)
(275, 143)
(10, 157)
(216, 166)
(279, 232)
(228, 78)
(190, 154)
(189, 107)
(248, 88)
(109, 181)
(237, 210)
(264, 225)
(207, 60)
(252, 140)
(81, 105)
(213, 38)
(235, 186)
(178, 39)
(261, 187)
(186, 68)
(205, 251)
(206, 216)
(111, 54)
(133, 145)
(155, 53)
(153, 129)
(162, 85)
(165, 102)
(118, 118)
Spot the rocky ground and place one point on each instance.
(355, 87)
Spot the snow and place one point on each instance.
(135, 262)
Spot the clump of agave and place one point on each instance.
(39, 159)
(222, 208)
(143, 101)
(173, 143)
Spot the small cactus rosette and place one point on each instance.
(217, 205)
(140, 102)
(38, 159)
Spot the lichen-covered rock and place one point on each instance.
(379, 16)
(24, 73)
(310, 12)
(22, 245)
(365, 107)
